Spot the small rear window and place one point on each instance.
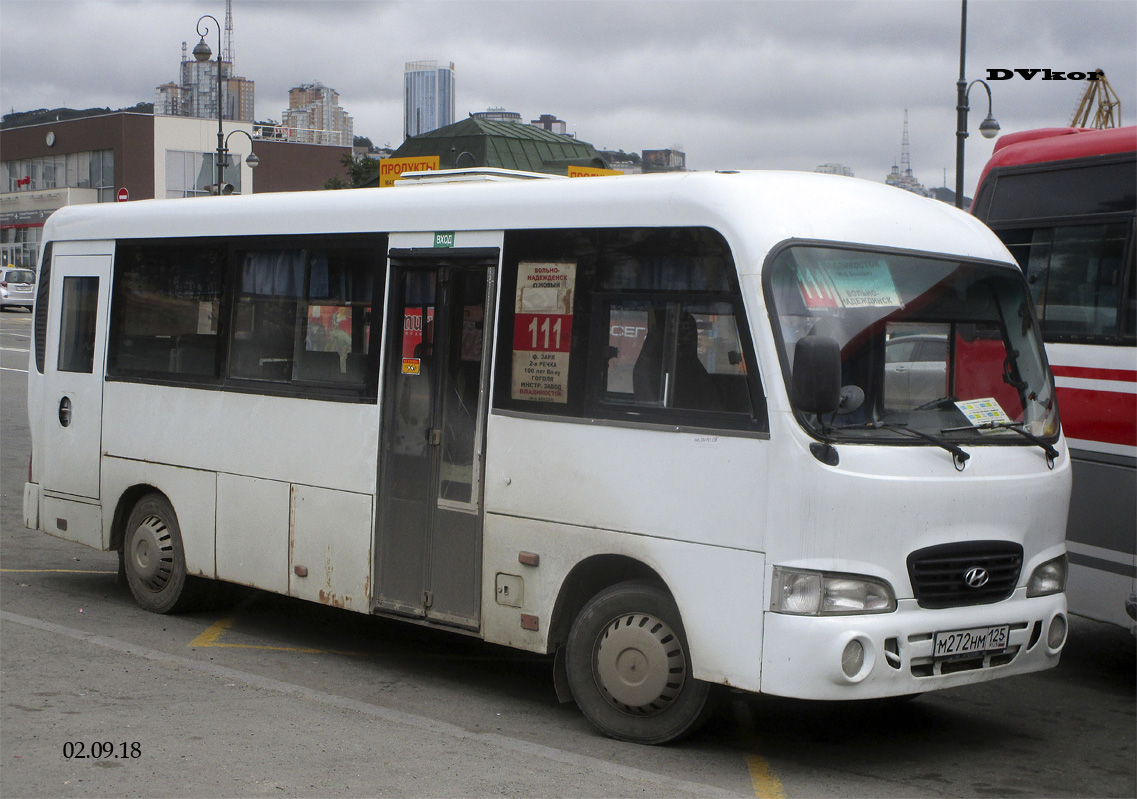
(20, 276)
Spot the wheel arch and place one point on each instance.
(126, 502)
(588, 578)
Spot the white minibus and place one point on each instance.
(658, 426)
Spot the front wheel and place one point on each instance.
(153, 558)
(629, 667)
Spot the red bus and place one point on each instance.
(1064, 201)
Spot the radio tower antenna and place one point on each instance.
(905, 158)
(227, 54)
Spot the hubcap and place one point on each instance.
(639, 664)
(152, 553)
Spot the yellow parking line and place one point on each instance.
(766, 785)
(210, 638)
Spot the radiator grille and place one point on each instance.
(940, 574)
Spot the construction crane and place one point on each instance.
(1101, 94)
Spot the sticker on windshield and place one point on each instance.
(848, 284)
(983, 411)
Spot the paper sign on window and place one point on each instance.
(983, 411)
(542, 331)
(848, 284)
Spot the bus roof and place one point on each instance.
(755, 211)
(1058, 144)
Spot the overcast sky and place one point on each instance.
(750, 84)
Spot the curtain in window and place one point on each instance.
(274, 273)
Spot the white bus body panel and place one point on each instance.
(685, 486)
(273, 438)
(265, 480)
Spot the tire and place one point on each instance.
(153, 558)
(629, 667)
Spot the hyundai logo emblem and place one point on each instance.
(976, 577)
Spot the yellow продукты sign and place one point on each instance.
(391, 168)
(590, 172)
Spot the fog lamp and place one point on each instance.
(853, 658)
(1056, 635)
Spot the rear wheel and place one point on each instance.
(629, 667)
(153, 558)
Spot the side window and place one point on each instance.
(77, 324)
(1076, 275)
(674, 354)
(166, 311)
(635, 324)
(291, 316)
(303, 316)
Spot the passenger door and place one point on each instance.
(73, 375)
(435, 393)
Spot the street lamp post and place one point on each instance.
(988, 128)
(201, 53)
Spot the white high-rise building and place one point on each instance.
(428, 97)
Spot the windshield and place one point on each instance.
(939, 347)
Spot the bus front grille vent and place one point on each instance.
(966, 573)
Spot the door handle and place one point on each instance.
(65, 411)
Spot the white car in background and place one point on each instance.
(915, 370)
(17, 288)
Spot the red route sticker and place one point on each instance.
(542, 332)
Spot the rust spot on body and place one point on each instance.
(328, 598)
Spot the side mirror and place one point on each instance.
(815, 386)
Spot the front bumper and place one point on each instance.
(802, 655)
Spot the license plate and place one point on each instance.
(969, 642)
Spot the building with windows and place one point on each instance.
(834, 169)
(132, 156)
(195, 92)
(428, 97)
(664, 161)
(550, 123)
(314, 116)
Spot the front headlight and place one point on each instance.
(1049, 578)
(811, 593)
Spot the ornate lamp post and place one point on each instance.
(201, 53)
(988, 128)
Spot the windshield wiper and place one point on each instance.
(936, 403)
(958, 455)
(1051, 452)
